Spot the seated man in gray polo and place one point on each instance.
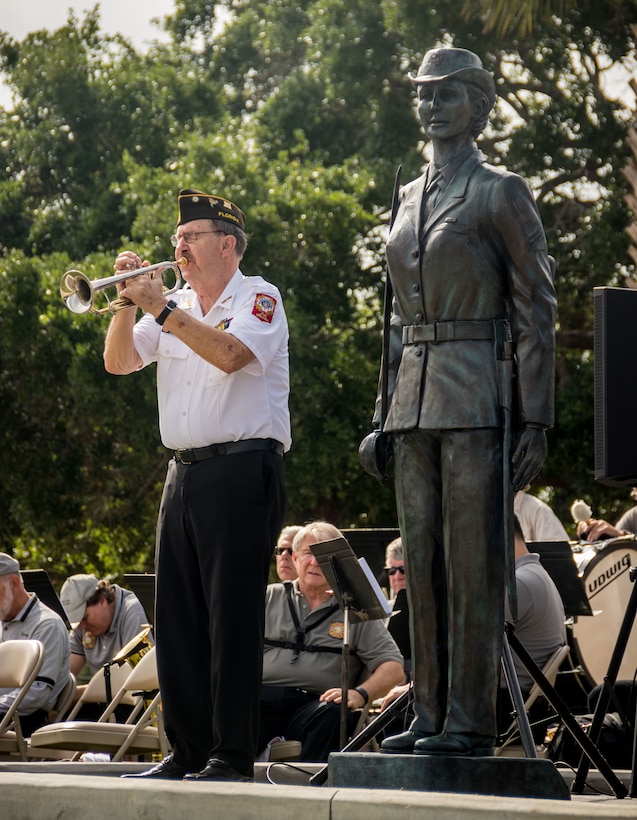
(301, 691)
(104, 618)
(540, 628)
(25, 617)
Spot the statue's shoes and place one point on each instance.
(403, 744)
(466, 744)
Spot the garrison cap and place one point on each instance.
(195, 204)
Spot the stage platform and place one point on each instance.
(76, 791)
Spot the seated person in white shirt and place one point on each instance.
(301, 691)
(537, 519)
(25, 617)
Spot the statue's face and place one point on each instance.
(446, 109)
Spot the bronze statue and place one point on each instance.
(470, 394)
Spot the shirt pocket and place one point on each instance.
(171, 363)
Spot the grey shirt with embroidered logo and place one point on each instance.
(129, 619)
(370, 644)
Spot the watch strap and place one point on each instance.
(170, 306)
(363, 693)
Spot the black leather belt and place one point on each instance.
(229, 448)
(460, 329)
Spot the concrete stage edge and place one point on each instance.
(75, 791)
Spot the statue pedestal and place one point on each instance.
(500, 776)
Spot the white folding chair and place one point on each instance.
(143, 732)
(20, 662)
(510, 745)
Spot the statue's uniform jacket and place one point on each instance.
(482, 255)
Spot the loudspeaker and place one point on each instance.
(615, 314)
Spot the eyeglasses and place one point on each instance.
(190, 237)
(281, 550)
(394, 570)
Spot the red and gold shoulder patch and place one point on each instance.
(264, 306)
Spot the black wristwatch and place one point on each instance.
(170, 306)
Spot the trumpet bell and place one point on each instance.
(135, 649)
(76, 291)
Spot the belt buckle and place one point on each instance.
(443, 332)
(180, 455)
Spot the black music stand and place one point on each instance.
(398, 626)
(359, 596)
(557, 559)
(38, 581)
(143, 585)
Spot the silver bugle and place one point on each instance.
(78, 291)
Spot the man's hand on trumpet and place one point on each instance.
(147, 292)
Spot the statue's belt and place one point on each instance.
(469, 329)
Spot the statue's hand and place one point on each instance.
(530, 454)
(374, 453)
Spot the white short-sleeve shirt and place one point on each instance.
(199, 404)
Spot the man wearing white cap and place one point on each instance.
(25, 617)
(104, 618)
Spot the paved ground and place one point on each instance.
(43, 791)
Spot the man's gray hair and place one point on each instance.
(232, 230)
(394, 550)
(318, 530)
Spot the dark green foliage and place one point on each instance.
(300, 112)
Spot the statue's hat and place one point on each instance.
(454, 64)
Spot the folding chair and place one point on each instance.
(95, 692)
(142, 734)
(64, 700)
(282, 750)
(510, 746)
(20, 662)
(95, 689)
(61, 707)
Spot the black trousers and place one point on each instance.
(299, 715)
(29, 723)
(217, 527)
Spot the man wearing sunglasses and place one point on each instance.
(395, 566)
(285, 568)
